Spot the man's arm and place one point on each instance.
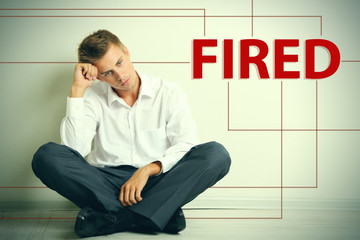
(131, 191)
(181, 132)
(181, 129)
(79, 126)
(84, 76)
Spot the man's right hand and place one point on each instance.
(84, 76)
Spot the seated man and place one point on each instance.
(145, 163)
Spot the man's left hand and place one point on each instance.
(130, 192)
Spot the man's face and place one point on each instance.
(117, 70)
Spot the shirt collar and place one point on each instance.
(146, 86)
(145, 90)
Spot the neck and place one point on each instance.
(131, 96)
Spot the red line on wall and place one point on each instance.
(232, 218)
(96, 9)
(106, 9)
(25, 187)
(204, 22)
(291, 130)
(252, 18)
(77, 62)
(102, 16)
(145, 16)
(37, 62)
(177, 16)
(265, 187)
(32, 218)
(317, 133)
(204, 218)
(321, 26)
(281, 148)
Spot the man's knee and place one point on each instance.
(46, 157)
(41, 156)
(216, 157)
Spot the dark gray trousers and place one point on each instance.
(68, 173)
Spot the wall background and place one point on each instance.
(33, 95)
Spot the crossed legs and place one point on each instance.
(65, 171)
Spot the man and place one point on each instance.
(145, 163)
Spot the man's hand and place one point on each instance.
(130, 192)
(84, 76)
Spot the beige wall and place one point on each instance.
(33, 95)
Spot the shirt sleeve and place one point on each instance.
(180, 127)
(78, 128)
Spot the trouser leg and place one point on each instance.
(199, 169)
(67, 172)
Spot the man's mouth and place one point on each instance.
(126, 82)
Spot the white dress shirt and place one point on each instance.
(158, 127)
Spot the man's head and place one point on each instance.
(112, 59)
(95, 46)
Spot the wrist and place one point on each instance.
(76, 92)
(153, 168)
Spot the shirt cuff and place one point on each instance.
(75, 107)
(168, 162)
(161, 170)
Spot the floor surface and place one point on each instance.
(296, 224)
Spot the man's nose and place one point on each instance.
(118, 74)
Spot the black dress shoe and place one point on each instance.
(92, 223)
(177, 222)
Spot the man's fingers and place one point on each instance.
(89, 71)
(131, 190)
(138, 196)
(86, 72)
(132, 196)
(126, 196)
(93, 72)
(129, 196)
(121, 197)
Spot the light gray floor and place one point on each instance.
(296, 224)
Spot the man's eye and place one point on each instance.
(119, 62)
(107, 74)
